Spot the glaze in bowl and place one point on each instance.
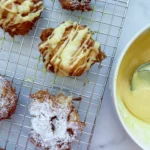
(137, 129)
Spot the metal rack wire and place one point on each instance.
(21, 63)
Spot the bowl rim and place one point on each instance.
(114, 79)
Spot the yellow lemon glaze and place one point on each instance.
(137, 101)
(134, 106)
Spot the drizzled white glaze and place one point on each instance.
(16, 11)
(72, 51)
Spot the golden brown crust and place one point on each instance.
(46, 33)
(73, 118)
(20, 28)
(83, 5)
(17, 20)
(88, 53)
(8, 99)
(39, 145)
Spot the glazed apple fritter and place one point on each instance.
(17, 17)
(83, 5)
(69, 49)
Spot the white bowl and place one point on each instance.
(136, 129)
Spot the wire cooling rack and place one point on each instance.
(20, 62)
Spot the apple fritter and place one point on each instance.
(8, 99)
(17, 17)
(55, 122)
(69, 49)
(83, 5)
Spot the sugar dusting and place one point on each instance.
(3, 101)
(79, 4)
(50, 124)
(7, 100)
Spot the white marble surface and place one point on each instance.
(109, 133)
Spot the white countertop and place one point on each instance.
(109, 133)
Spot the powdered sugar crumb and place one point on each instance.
(50, 124)
(7, 99)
